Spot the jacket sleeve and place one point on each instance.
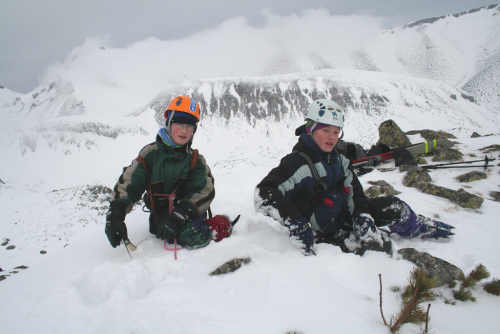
(269, 197)
(357, 201)
(132, 183)
(200, 191)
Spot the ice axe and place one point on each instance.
(130, 245)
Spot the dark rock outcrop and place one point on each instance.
(460, 196)
(472, 176)
(391, 134)
(443, 272)
(415, 176)
(447, 154)
(431, 134)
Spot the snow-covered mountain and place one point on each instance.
(461, 49)
(367, 97)
(64, 145)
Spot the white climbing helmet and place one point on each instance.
(326, 112)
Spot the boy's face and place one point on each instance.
(181, 133)
(327, 137)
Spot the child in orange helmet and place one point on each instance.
(178, 184)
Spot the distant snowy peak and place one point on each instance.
(7, 96)
(55, 99)
(460, 49)
(433, 19)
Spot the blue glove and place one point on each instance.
(302, 235)
(364, 225)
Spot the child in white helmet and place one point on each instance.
(315, 193)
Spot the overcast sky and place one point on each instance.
(35, 34)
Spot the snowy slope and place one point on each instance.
(90, 287)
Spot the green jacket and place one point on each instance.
(167, 168)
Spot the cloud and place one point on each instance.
(233, 48)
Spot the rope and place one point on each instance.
(170, 198)
(172, 249)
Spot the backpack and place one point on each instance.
(351, 151)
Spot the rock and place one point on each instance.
(443, 272)
(390, 134)
(421, 161)
(389, 191)
(373, 191)
(491, 148)
(460, 197)
(415, 176)
(447, 154)
(475, 135)
(495, 195)
(431, 134)
(43, 252)
(379, 183)
(405, 168)
(380, 187)
(472, 176)
(21, 267)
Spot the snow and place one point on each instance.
(83, 285)
(52, 197)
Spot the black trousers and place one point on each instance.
(386, 210)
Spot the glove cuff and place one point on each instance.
(185, 209)
(299, 226)
(117, 211)
(180, 215)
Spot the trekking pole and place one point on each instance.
(447, 165)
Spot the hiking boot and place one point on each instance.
(434, 229)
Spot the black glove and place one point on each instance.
(169, 227)
(116, 231)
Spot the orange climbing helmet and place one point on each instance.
(184, 104)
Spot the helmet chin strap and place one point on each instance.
(169, 122)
